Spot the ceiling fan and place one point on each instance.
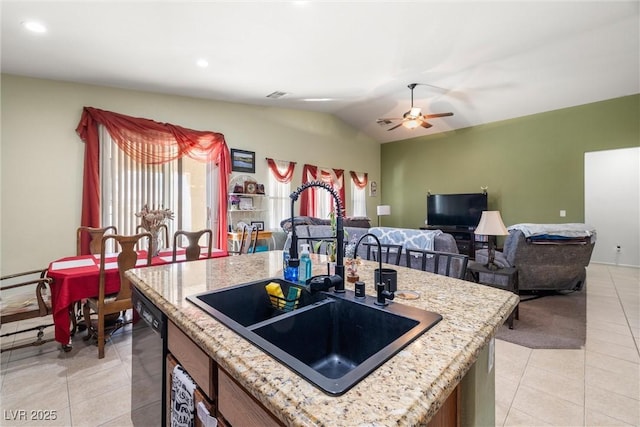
(414, 117)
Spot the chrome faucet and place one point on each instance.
(383, 294)
(293, 250)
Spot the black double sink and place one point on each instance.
(331, 340)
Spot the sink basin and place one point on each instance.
(331, 340)
(247, 304)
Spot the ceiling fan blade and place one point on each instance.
(396, 126)
(383, 119)
(425, 124)
(433, 116)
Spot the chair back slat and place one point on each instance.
(391, 253)
(193, 249)
(127, 259)
(95, 238)
(454, 265)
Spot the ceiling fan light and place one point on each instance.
(415, 112)
(411, 124)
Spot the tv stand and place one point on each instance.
(466, 240)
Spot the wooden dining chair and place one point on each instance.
(193, 249)
(391, 253)
(247, 242)
(111, 306)
(443, 263)
(95, 238)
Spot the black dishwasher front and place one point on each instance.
(148, 359)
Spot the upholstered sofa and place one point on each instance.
(549, 257)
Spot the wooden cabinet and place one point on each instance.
(231, 404)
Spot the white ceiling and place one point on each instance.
(485, 61)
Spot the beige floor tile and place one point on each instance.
(613, 405)
(501, 412)
(624, 383)
(621, 339)
(596, 419)
(554, 384)
(567, 363)
(103, 407)
(511, 359)
(505, 390)
(549, 408)
(607, 327)
(517, 418)
(83, 360)
(614, 350)
(121, 421)
(609, 363)
(99, 382)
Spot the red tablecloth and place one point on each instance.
(78, 277)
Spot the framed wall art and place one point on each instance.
(243, 161)
(259, 225)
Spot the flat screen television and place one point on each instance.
(455, 210)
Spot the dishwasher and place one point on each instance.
(148, 361)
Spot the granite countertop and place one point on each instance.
(406, 390)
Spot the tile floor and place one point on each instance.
(594, 386)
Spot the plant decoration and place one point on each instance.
(151, 220)
(330, 248)
(235, 201)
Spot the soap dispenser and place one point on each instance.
(304, 271)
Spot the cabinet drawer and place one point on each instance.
(199, 396)
(238, 407)
(195, 361)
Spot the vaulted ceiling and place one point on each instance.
(482, 61)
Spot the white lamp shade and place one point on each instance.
(491, 224)
(383, 210)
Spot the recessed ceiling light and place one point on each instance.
(202, 63)
(317, 99)
(34, 27)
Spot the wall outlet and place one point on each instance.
(563, 213)
(618, 248)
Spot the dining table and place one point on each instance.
(78, 277)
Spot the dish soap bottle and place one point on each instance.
(304, 271)
(290, 273)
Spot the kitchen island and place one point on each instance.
(408, 389)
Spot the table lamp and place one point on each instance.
(491, 225)
(383, 210)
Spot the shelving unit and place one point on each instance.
(252, 206)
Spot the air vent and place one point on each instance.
(383, 122)
(277, 94)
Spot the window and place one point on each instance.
(358, 200)
(126, 186)
(278, 190)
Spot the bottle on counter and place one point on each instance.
(290, 273)
(304, 271)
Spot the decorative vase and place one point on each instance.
(155, 242)
(353, 278)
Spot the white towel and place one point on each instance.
(182, 398)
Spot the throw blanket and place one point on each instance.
(569, 230)
(182, 400)
(408, 237)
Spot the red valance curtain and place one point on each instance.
(333, 177)
(285, 176)
(359, 183)
(170, 143)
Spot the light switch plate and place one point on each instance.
(563, 213)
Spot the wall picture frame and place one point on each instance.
(373, 189)
(259, 225)
(243, 161)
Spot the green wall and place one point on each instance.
(533, 165)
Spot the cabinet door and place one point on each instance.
(238, 407)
